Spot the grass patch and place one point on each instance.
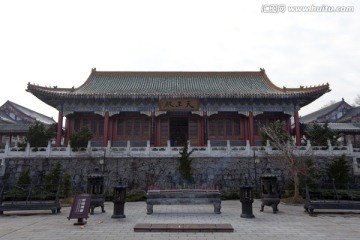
(293, 200)
(136, 195)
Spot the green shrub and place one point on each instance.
(39, 135)
(53, 178)
(66, 187)
(136, 195)
(230, 195)
(339, 170)
(80, 139)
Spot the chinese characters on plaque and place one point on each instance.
(179, 104)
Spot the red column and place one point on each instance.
(156, 133)
(152, 129)
(67, 131)
(111, 129)
(106, 128)
(204, 136)
(297, 128)
(251, 129)
(59, 129)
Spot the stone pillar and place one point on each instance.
(59, 129)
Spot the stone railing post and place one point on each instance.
(228, 147)
(168, 147)
(248, 148)
(48, 149)
(88, 147)
(7, 148)
(68, 149)
(208, 148)
(27, 150)
(330, 148)
(350, 148)
(268, 147)
(128, 147)
(189, 145)
(308, 145)
(147, 147)
(2, 171)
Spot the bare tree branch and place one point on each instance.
(287, 155)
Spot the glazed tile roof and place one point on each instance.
(323, 112)
(14, 128)
(30, 113)
(312, 117)
(4, 118)
(350, 114)
(338, 127)
(102, 84)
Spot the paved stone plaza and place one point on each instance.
(289, 223)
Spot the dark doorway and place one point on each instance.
(178, 131)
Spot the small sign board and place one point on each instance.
(80, 208)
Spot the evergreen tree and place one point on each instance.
(66, 189)
(185, 165)
(24, 179)
(339, 170)
(80, 139)
(52, 179)
(39, 135)
(320, 134)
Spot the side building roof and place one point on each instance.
(337, 127)
(5, 119)
(314, 116)
(155, 85)
(14, 128)
(350, 114)
(28, 115)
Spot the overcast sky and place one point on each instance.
(58, 42)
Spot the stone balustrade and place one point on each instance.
(221, 150)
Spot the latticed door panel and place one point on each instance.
(194, 132)
(163, 131)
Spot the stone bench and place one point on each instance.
(34, 197)
(183, 197)
(315, 200)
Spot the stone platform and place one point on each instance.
(158, 227)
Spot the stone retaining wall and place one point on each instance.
(227, 173)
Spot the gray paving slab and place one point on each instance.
(291, 222)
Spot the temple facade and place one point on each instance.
(176, 107)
